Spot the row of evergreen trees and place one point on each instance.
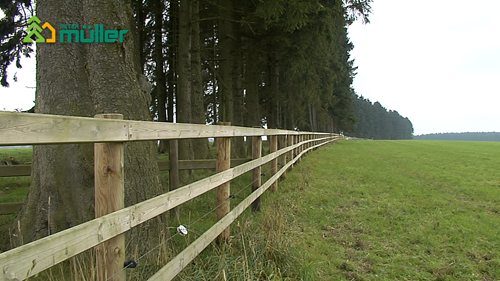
(373, 121)
(281, 64)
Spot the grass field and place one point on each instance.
(396, 210)
(360, 210)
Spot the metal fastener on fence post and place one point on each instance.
(109, 197)
(223, 190)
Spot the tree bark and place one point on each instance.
(201, 147)
(238, 143)
(172, 57)
(226, 47)
(184, 89)
(274, 97)
(161, 83)
(252, 116)
(84, 80)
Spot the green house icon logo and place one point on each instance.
(34, 30)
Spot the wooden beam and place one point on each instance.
(32, 128)
(290, 153)
(256, 173)
(199, 164)
(223, 190)
(282, 158)
(15, 170)
(10, 208)
(173, 176)
(25, 170)
(109, 197)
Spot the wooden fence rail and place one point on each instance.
(25, 170)
(22, 129)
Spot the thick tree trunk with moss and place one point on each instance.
(84, 80)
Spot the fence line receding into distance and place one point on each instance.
(106, 230)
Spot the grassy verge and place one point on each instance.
(396, 210)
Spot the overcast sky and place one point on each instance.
(436, 62)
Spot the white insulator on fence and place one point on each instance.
(182, 230)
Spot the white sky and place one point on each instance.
(436, 62)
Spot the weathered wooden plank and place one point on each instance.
(15, 170)
(282, 158)
(31, 128)
(32, 258)
(173, 177)
(25, 170)
(256, 173)
(10, 208)
(273, 147)
(109, 197)
(199, 164)
(223, 190)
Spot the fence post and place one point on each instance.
(299, 149)
(173, 173)
(294, 154)
(282, 144)
(109, 197)
(274, 163)
(256, 173)
(290, 153)
(223, 190)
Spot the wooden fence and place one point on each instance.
(25, 170)
(106, 231)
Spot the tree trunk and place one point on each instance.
(238, 143)
(274, 97)
(84, 80)
(226, 47)
(161, 83)
(201, 147)
(172, 57)
(252, 117)
(183, 105)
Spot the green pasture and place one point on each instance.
(354, 210)
(396, 210)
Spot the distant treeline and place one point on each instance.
(469, 136)
(373, 121)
